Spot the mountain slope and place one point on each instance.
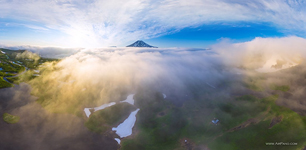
(140, 43)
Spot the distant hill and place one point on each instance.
(140, 43)
(8, 51)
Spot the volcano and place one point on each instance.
(140, 43)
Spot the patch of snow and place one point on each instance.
(129, 99)
(87, 110)
(37, 71)
(118, 140)
(164, 95)
(104, 106)
(125, 129)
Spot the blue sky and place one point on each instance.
(18, 32)
(168, 23)
(206, 35)
(31, 33)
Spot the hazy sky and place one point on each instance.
(167, 23)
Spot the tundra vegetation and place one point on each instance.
(8, 118)
(252, 108)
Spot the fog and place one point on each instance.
(105, 72)
(39, 129)
(92, 77)
(266, 54)
(108, 73)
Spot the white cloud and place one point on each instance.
(35, 27)
(102, 23)
(263, 54)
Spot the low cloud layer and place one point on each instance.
(105, 72)
(92, 77)
(264, 54)
(47, 52)
(96, 76)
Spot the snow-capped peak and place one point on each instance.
(140, 43)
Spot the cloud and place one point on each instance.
(35, 27)
(48, 52)
(108, 74)
(92, 77)
(102, 23)
(27, 55)
(38, 129)
(264, 54)
(105, 72)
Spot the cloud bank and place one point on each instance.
(97, 23)
(47, 52)
(264, 54)
(93, 77)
